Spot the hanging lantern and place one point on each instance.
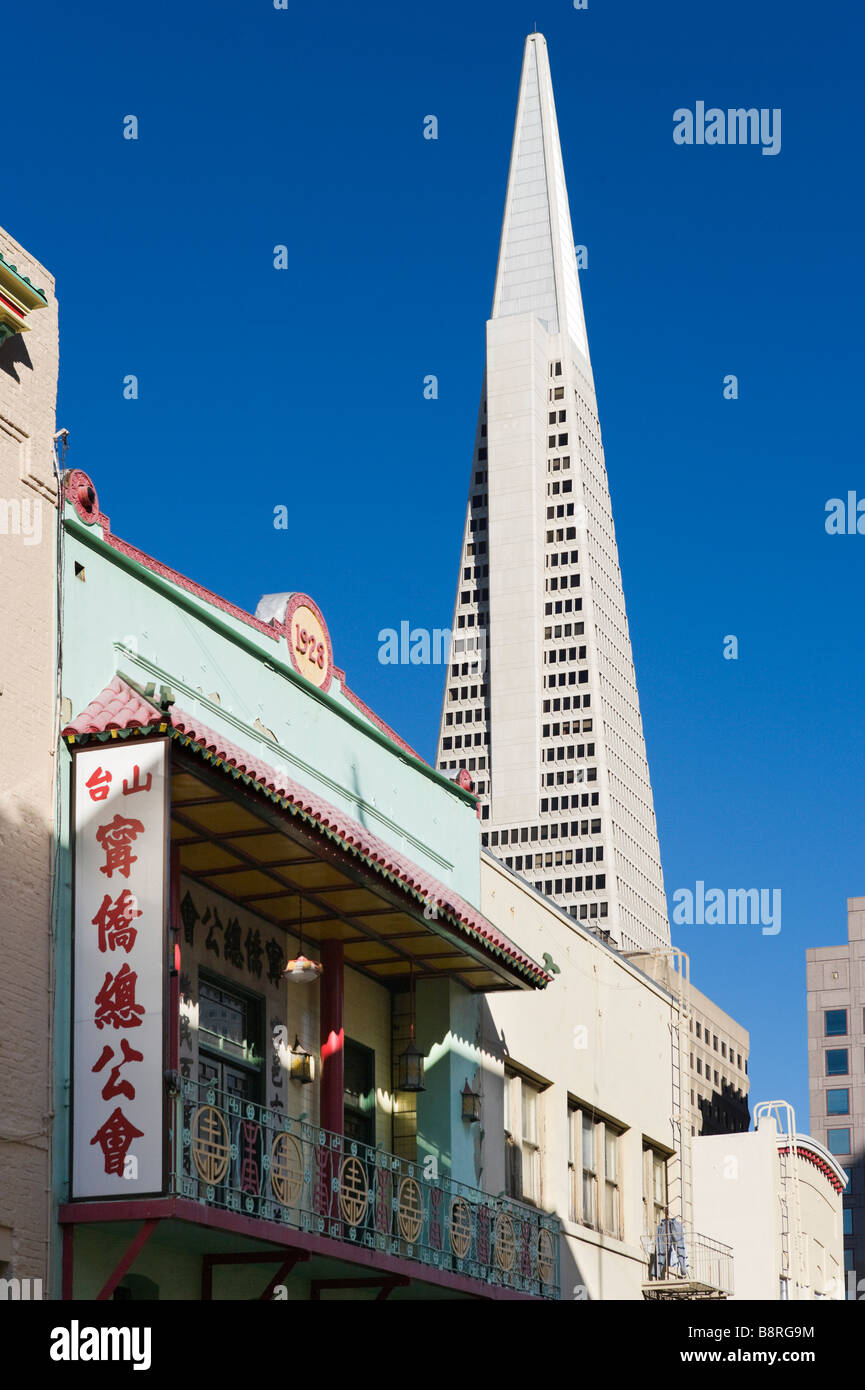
(300, 970)
(410, 1064)
(471, 1103)
(301, 1066)
(410, 1070)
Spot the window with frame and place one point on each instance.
(837, 1062)
(838, 1141)
(594, 1161)
(838, 1101)
(835, 1023)
(523, 1134)
(655, 1192)
(230, 1041)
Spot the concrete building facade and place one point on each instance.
(540, 703)
(836, 1073)
(584, 1085)
(715, 1053)
(774, 1196)
(28, 526)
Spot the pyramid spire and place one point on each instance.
(537, 269)
(540, 704)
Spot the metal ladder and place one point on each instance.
(680, 1185)
(794, 1264)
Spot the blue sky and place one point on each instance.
(259, 387)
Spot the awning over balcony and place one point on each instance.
(257, 837)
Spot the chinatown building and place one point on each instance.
(270, 965)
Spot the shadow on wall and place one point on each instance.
(572, 1282)
(14, 353)
(26, 1084)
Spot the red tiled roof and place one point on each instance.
(120, 707)
(818, 1161)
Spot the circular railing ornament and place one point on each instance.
(504, 1242)
(286, 1170)
(353, 1191)
(410, 1210)
(546, 1256)
(210, 1144)
(460, 1227)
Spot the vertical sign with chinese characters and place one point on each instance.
(119, 953)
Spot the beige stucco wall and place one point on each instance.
(599, 1034)
(28, 387)
(366, 1018)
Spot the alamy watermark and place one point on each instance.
(731, 127)
(22, 517)
(20, 1289)
(421, 646)
(731, 907)
(845, 518)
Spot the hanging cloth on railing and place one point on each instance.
(670, 1246)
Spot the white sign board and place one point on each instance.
(118, 1131)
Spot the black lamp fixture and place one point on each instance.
(301, 1065)
(471, 1103)
(410, 1064)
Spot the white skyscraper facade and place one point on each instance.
(540, 704)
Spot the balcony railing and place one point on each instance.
(682, 1263)
(241, 1157)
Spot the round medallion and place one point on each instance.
(460, 1228)
(410, 1210)
(308, 641)
(210, 1146)
(546, 1256)
(82, 495)
(503, 1239)
(286, 1170)
(353, 1191)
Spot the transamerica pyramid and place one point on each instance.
(540, 703)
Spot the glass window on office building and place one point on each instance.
(837, 1061)
(838, 1141)
(835, 1023)
(838, 1102)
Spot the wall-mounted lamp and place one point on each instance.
(471, 1103)
(301, 1067)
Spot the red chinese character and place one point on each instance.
(114, 1139)
(114, 920)
(115, 1002)
(113, 1087)
(98, 784)
(116, 840)
(137, 784)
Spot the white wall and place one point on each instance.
(600, 1034)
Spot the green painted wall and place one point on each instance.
(119, 619)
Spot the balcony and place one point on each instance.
(708, 1267)
(230, 1154)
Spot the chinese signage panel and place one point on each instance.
(119, 958)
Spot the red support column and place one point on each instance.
(332, 1038)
